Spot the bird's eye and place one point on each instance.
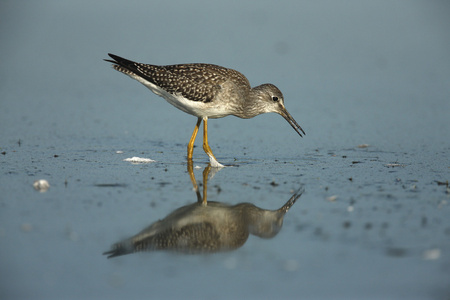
(275, 98)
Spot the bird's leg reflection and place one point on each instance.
(206, 227)
(205, 183)
(190, 169)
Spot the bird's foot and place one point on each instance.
(214, 163)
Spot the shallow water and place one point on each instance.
(374, 165)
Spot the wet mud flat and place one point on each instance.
(89, 160)
(363, 213)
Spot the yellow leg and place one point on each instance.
(205, 138)
(205, 184)
(190, 149)
(212, 158)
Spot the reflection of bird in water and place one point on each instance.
(200, 228)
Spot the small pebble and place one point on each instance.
(332, 198)
(41, 185)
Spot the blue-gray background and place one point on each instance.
(352, 73)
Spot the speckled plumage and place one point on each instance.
(196, 82)
(207, 91)
(199, 228)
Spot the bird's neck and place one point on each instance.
(252, 103)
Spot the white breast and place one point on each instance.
(195, 108)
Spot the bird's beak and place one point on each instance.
(291, 201)
(284, 113)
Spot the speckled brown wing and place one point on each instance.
(196, 82)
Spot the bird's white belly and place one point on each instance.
(195, 108)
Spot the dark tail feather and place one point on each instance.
(118, 250)
(120, 61)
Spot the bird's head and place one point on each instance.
(271, 100)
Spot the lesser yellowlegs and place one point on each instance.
(207, 91)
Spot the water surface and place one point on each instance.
(369, 83)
